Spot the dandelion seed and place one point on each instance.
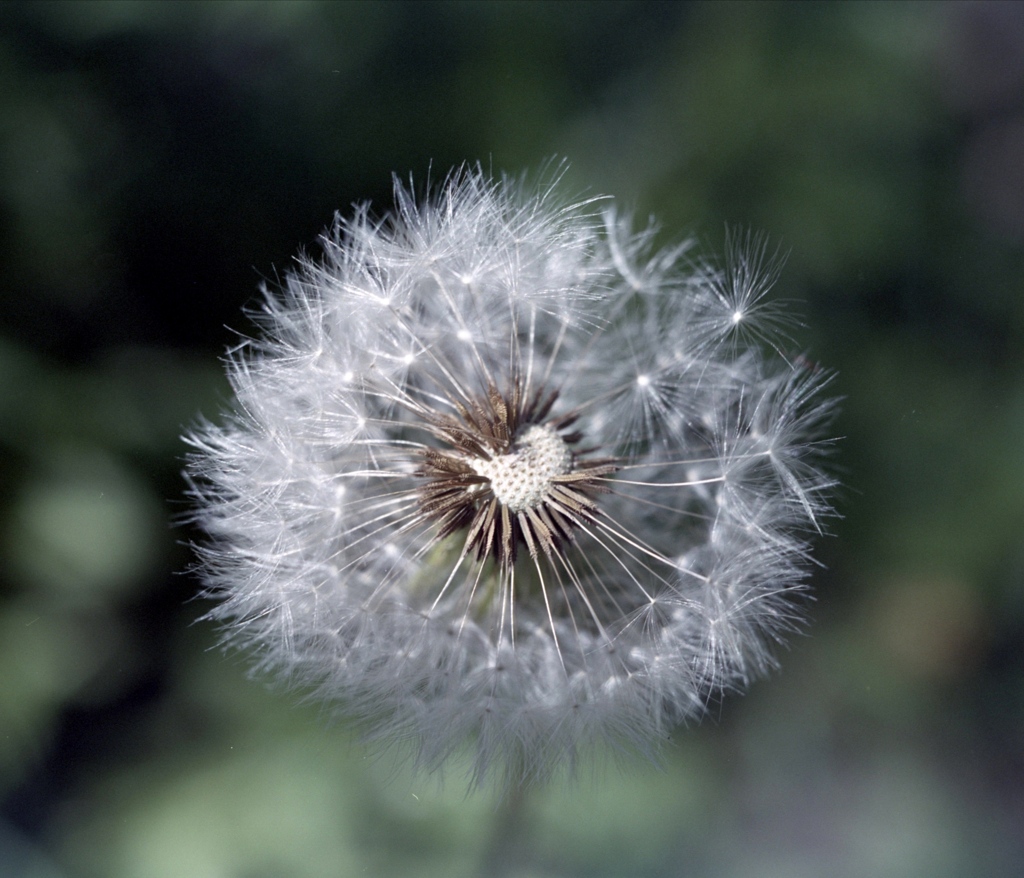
(501, 473)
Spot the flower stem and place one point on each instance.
(505, 851)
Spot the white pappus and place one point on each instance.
(500, 472)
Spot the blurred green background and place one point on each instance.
(157, 160)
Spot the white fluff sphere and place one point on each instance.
(499, 472)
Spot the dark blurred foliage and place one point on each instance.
(158, 160)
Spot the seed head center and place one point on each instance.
(522, 478)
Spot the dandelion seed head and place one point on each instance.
(501, 475)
